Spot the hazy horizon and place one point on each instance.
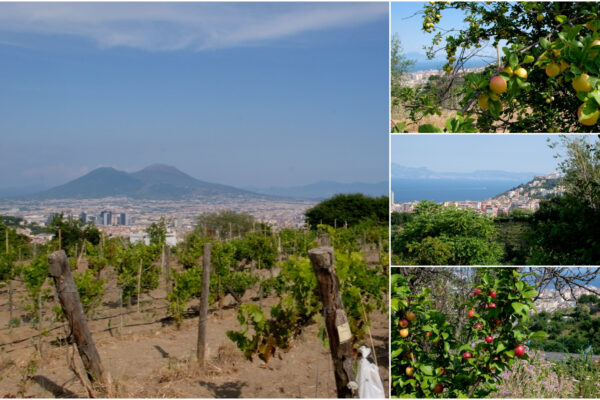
(250, 94)
(246, 187)
(469, 153)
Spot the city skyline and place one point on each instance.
(239, 94)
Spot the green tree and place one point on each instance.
(434, 357)
(446, 236)
(565, 230)
(588, 299)
(158, 232)
(399, 64)
(72, 233)
(550, 44)
(349, 210)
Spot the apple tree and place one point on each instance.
(546, 77)
(433, 357)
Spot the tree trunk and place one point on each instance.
(336, 322)
(73, 310)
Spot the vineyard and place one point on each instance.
(265, 335)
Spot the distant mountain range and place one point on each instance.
(154, 182)
(400, 171)
(164, 182)
(324, 189)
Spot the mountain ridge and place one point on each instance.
(157, 181)
(165, 182)
(400, 171)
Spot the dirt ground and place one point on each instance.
(156, 359)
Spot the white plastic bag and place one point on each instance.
(369, 381)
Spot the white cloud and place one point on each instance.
(175, 26)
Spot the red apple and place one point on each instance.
(493, 294)
(489, 339)
(438, 388)
(519, 350)
(467, 355)
(471, 314)
(476, 292)
(477, 326)
(498, 323)
(403, 323)
(492, 305)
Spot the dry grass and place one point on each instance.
(188, 370)
(399, 115)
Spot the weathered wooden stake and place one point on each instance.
(336, 322)
(10, 301)
(121, 312)
(139, 285)
(201, 349)
(10, 277)
(73, 310)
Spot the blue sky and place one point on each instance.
(407, 20)
(467, 153)
(237, 93)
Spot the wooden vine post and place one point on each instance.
(73, 310)
(10, 278)
(201, 346)
(336, 322)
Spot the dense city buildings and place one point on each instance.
(551, 300)
(422, 77)
(525, 197)
(135, 215)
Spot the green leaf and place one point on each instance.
(528, 58)
(539, 335)
(426, 369)
(560, 18)
(596, 96)
(494, 108)
(394, 305)
(589, 108)
(428, 128)
(396, 353)
(519, 308)
(544, 43)
(513, 61)
(465, 347)
(500, 347)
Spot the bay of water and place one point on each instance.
(439, 190)
(426, 65)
